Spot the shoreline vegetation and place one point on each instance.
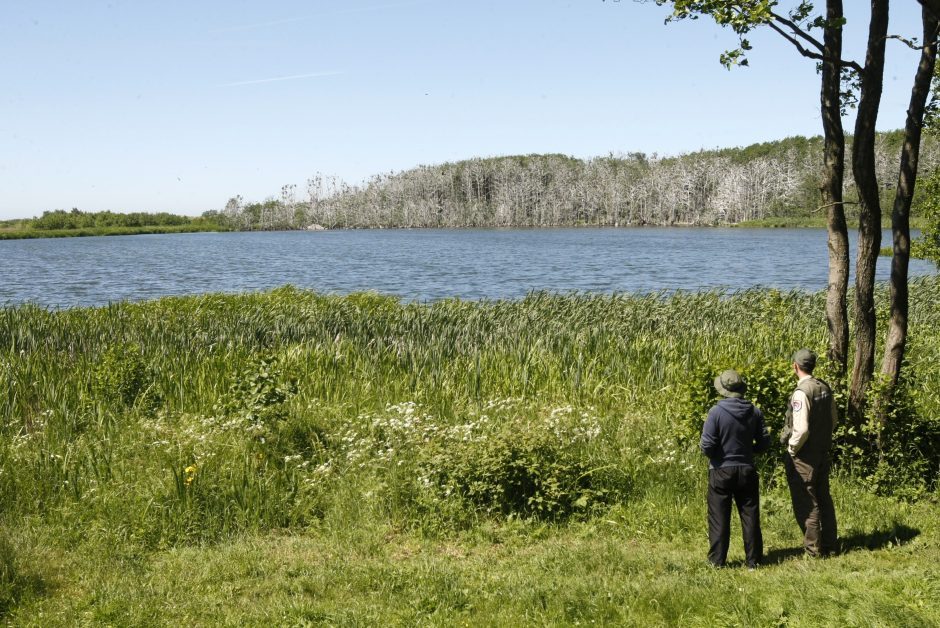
(76, 223)
(24, 234)
(29, 234)
(290, 458)
(773, 184)
(200, 225)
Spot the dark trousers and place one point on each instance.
(740, 484)
(812, 505)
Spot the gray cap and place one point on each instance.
(805, 359)
(730, 384)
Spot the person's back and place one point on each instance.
(738, 433)
(812, 415)
(820, 420)
(733, 432)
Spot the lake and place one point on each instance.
(417, 264)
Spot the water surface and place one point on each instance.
(416, 264)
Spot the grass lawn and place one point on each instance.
(642, 563)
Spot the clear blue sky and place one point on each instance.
(177, 106)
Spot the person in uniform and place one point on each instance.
(733, 432)
(811, 419)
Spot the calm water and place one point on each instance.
(416, 264)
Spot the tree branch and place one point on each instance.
(803, 50)
(828, 205)
(798, 31)
(853, 65)
(800, 47)
(910, 43)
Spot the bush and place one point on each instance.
(899, 449)
(245, 466)
(259, 396)
(928, 245)
(507, 460)
(525, 467)
(122, 378)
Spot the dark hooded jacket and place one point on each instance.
(734, 431)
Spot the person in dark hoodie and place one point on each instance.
(734, 431)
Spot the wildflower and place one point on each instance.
(189, 474)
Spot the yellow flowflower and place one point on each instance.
(189, 474)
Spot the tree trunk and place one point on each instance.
(900, 214)
(869, 227)
(933, 6)
(831, 188)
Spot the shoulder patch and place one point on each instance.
(797, 405)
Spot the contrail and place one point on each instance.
(281, 78)
(291, 20)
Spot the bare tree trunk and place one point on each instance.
(831, 188)
(869, 227)
(900, 214)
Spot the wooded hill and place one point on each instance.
(726, 186)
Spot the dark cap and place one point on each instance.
(730, 384)
(805, 359)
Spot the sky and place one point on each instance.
(174, 106)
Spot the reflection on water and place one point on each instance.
(416, 264)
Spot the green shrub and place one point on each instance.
(524, 466)
(899, 449)
(247, 467)
(928, 245)
(259, 395)
(122, 378)
(769, 386)
(509, 459)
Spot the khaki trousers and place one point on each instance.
(812, 505)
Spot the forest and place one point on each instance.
(773, 182)
(777, 179)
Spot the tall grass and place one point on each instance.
(186, 421)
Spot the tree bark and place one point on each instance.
(831, 188)
(933, 6)
(869, 227)
(900, 214)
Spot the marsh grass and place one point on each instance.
(289, 457)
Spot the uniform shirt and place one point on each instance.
(799, 402)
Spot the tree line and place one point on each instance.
(710, 187)
(78, 219)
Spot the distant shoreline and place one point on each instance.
(766, 223)
(32, 234)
